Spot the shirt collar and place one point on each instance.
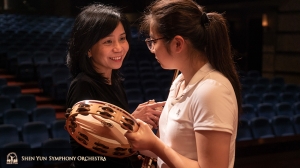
(201, 73)
(198, 76)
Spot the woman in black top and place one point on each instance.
(98, 45)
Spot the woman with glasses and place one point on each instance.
(98, 45)
(198, 124)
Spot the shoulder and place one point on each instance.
(217, 79)
(215, 86)
(214, 103)
(216, 82)
(81, 80)
(82, 87)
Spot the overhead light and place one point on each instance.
(264, 21)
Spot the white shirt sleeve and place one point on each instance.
(214, 107)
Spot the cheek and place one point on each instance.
(160, 53)
(98, 57)
(126, 47)
(94, 50)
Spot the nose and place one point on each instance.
(117, 47)
(152, 51)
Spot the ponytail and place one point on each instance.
(218, 50)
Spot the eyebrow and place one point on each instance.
(120, 34)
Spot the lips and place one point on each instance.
(115, 58)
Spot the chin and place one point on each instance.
(163, 67)
(116, 68)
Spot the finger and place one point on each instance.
(140, 157)
(145, 103)
(154, 112)
(156, 121)
(162, 103)
(147, 123)
(154, 118)
(158, 104)
(152, 123)
(129, 136)
(141, 122)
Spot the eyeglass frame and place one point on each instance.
(149, 41)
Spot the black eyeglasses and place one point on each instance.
(150, 42)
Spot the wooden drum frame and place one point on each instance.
(100, 127)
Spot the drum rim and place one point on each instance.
(69, 130)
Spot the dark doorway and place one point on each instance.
(255, 36)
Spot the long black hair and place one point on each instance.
(95, 22)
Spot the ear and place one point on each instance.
(89, 53)
(178, 43)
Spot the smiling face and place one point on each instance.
(109, 52)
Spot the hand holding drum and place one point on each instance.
(100, 126)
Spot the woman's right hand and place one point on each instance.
(149, 113)
(143, 139)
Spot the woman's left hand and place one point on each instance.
(143, 139)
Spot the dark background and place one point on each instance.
(244, 17)
(266, 49)
(246, 37)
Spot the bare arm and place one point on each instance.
(148, 152)
(212, 148)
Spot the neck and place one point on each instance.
(109, 81)
(189, 71)
(106, 74)
(190, 61)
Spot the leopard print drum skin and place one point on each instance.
(100, 127)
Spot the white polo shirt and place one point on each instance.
(208, 102)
